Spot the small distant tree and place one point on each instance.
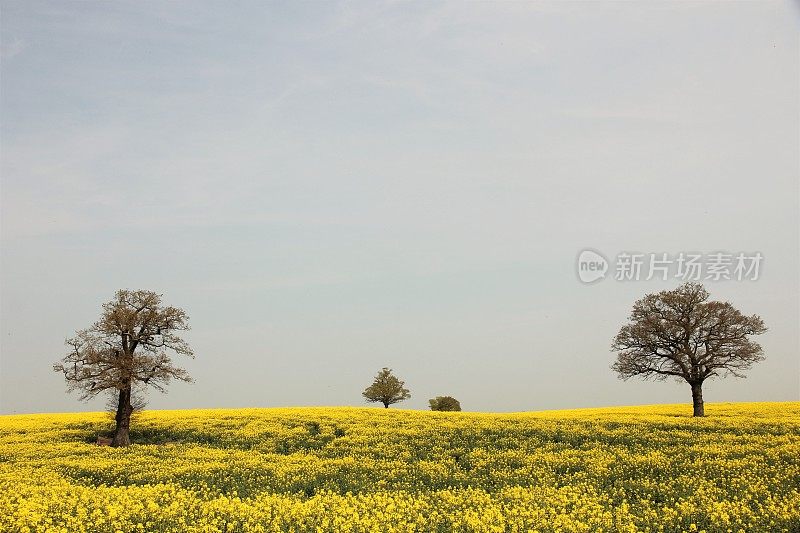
(680, 334)
(444, 403)
(127, 347)
(386, 389)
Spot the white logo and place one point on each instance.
(591, 266)
(689, 266)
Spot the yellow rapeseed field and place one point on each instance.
(651, 468)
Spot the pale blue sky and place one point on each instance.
(329, 188)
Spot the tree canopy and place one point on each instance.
(386, 389)
(444, 403)
(681, 334)
(129, 345)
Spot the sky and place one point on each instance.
(331, 188)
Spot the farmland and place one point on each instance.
(649, 468)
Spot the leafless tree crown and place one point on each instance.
(123, 347)
(680, 334)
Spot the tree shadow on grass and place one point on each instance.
(91, 432)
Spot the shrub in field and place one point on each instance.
(444, 403)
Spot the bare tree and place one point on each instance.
(680, 334)
(386, 389)
(127, 346)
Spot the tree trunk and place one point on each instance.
(385, 405)
(697, 399)
(123, 418)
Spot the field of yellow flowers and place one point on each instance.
(349, 469)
